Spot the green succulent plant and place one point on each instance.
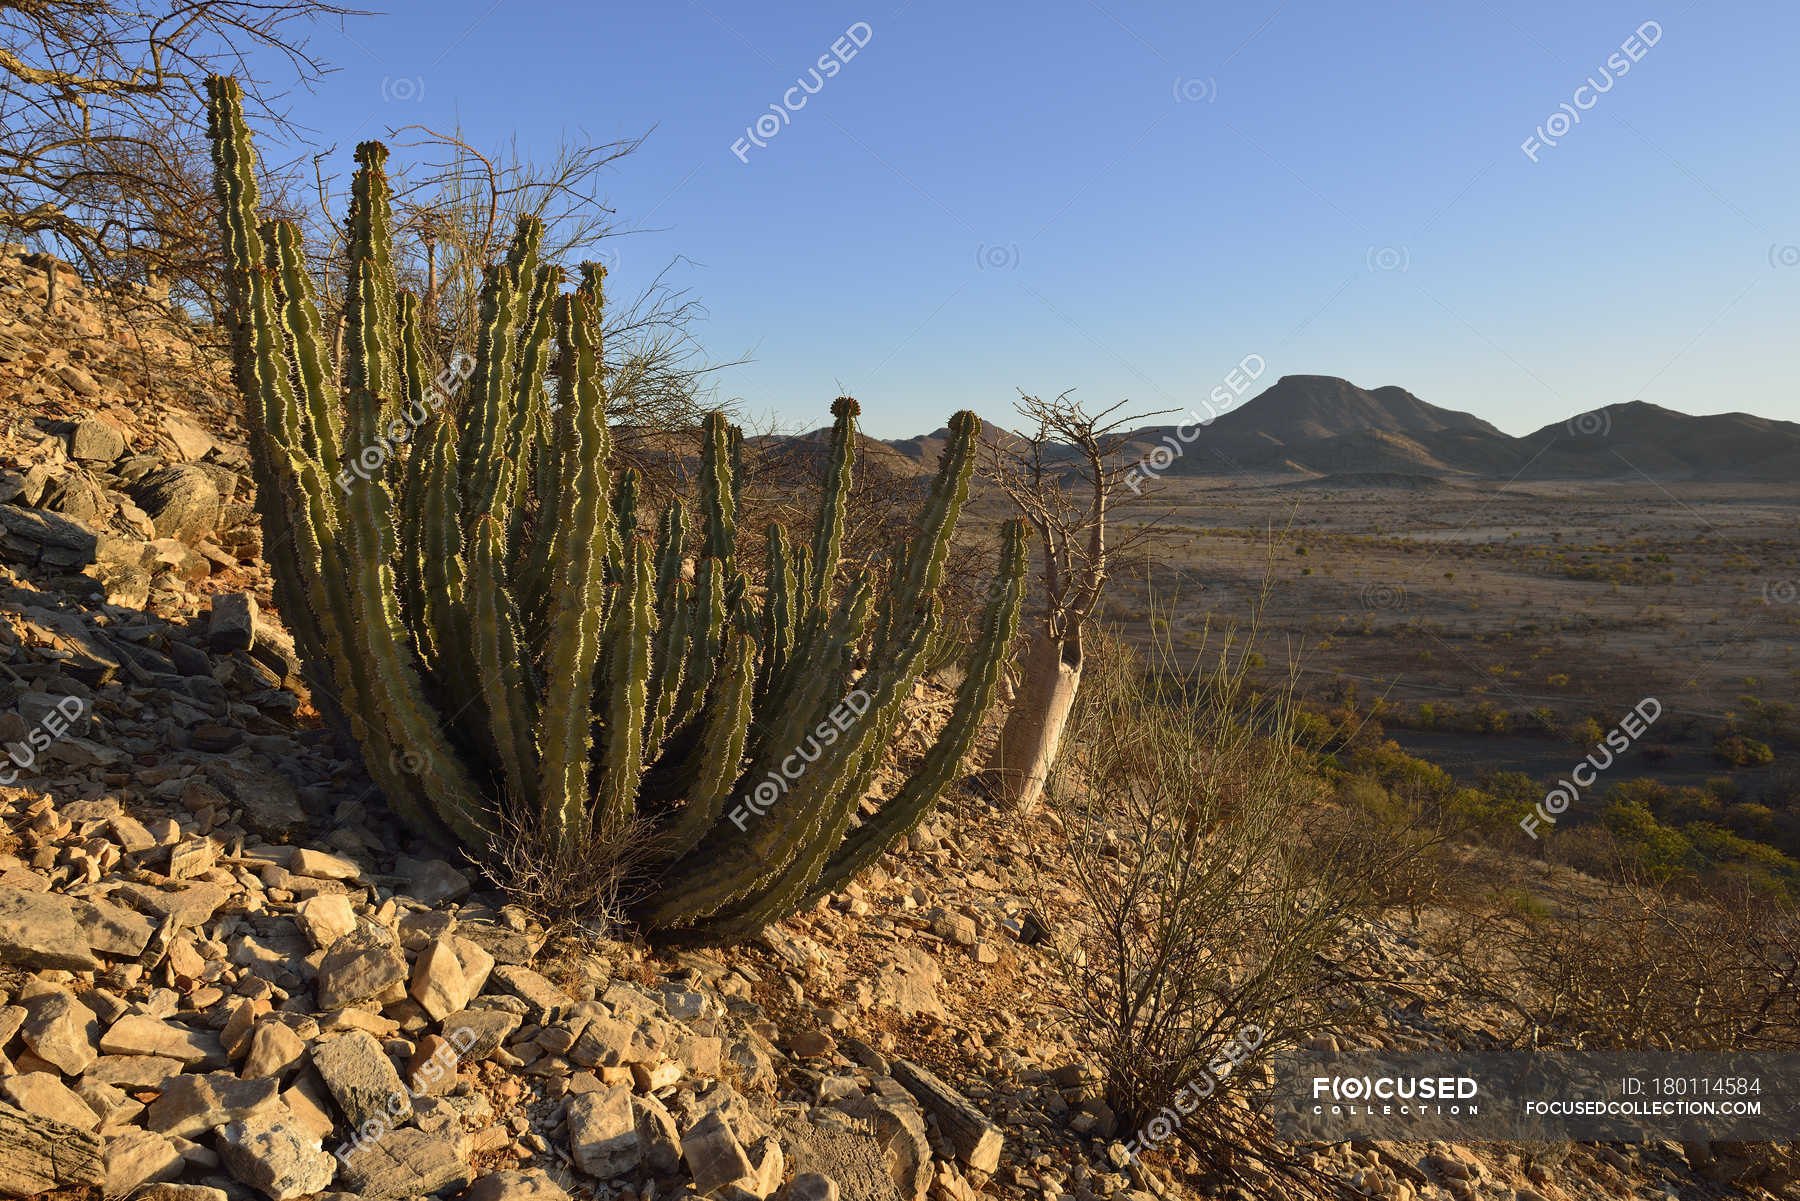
(477, 609)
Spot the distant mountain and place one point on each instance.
(925, 448)
(1298, 409)
(1626, 439)
(1313, 426)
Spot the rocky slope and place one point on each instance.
(224, 973)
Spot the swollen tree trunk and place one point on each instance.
(1034, 728)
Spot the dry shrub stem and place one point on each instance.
(1212, 879)
(579, 888)
(1641, 967)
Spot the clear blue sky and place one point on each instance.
(1127, 197)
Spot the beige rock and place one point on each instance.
(43, 1094)
(114, 1105)
(404, 1164)
(272, 1153)
(309, 1104)
(811, 1186)
(325, 919)
(112, 929)
(308, 862)
(135, 1156)
(432, 1070)
(603, 1135)
(353, 975)
(41, 1155)
(133, 1071)
(649, 1078)
(438, 983)
(275, 1050)
(136, 1034)
(193, 1104)
(533, 1185)
(361, 1078)
(39, 930)
(658, 1140)
(714, 1156)
(240, 1023)
(62, 1031)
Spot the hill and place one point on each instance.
(1639, 439)
(1317, 425)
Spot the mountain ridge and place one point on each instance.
(1312, 426)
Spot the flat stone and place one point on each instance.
(958, 928)
(190, 903)
(659, 1141)
(361, 1078)
(43, 1094)
(275, 1050)
(433, 881)
(52, 531)
(180, 1192)
(532, 1185)
(544, 1002)
(134, 1157)
(114, 1106)
(272, 1153)
(61, 1030)
(325, 919)
(195, 857)
(477, 963)
(404, 1163)
(136, 1034)
(810, 1044)
(604, 1042)
(112, 929)
(133, 1071)
(603, 1134)
(93, 440)
(269, 803)
(480, 1032)
(182, 500)
(38, 930)
(190, 441)
(431, 1072)
(811, 1186)
(241, 1016)
(438, 983)
(358, 974)
(193, 1104)
(506, 946)
(40, 1155)
(305, 862)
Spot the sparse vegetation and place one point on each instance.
(1214, 874)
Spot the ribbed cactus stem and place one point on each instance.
(578, 578)
(828, 528)
(477, 610)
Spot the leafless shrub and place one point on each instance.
(456, 207)
(1641, 966)
(1212, 878)
(102, 158)
(579, 887)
